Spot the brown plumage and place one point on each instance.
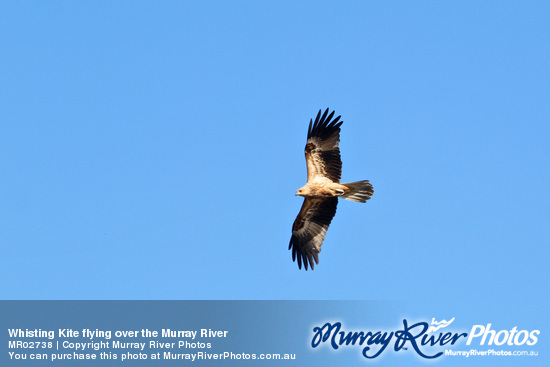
(321, 192)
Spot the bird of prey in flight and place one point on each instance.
(322, 190)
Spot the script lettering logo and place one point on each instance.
(416, 336)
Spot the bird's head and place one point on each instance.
(301, 192)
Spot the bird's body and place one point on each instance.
(322, 190)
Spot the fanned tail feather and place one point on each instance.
(360, 191)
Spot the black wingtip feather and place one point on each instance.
(303, 257)
(324, 126)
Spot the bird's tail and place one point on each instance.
(359, 191)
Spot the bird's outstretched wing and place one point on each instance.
(322, 152)
(310, 228)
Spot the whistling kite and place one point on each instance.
(323, 187)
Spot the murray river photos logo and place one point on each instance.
(425, 339)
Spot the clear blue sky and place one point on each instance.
(152, 150)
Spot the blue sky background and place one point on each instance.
(152, 150)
